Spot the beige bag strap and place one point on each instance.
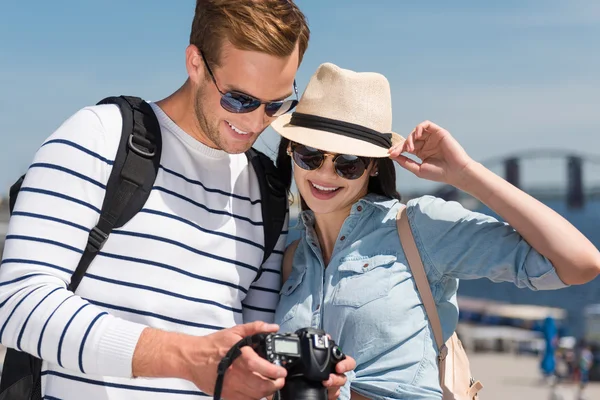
(416, 266)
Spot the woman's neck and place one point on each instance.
(328, 228)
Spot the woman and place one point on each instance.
(349, 274)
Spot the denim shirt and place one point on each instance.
(366, 297)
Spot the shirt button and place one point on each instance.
(359, 208)
(343, 237)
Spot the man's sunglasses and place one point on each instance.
(346, 166)
(240, 103)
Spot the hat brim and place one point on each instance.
(329, 141)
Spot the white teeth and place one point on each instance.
(236, 129)
(327, 189)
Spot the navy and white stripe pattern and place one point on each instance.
(186, 262)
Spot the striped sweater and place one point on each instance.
(185, 262)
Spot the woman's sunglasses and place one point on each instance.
(240, 103)
(346, 166)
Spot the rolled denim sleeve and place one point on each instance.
(458, 243)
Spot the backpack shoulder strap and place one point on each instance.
(132, 176)
(14, 192)
(274, 200)
(418, 271)
(128, 188)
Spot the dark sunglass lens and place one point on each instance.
(350, 167)
(237, 104)
(307, 157)
(232, 105)
(277, 108)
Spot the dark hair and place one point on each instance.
(383, 184)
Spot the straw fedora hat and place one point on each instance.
(344, 112)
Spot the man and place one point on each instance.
(586, 361)
(167, 295)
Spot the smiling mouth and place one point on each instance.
(328, 189)
(235, 129)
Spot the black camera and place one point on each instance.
(308, 355)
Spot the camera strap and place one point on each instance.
(230, 357)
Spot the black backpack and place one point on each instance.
(129, 185)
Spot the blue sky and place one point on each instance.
(502, 76)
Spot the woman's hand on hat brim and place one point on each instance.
(442, 157)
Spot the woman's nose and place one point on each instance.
(328, 166)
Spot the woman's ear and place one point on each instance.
(374, 170)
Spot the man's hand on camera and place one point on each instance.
(336, 381)
(162, 354)
(249, 377)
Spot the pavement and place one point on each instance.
(509, 376)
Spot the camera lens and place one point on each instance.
(337, 353)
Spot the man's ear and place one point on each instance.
(194, 64)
